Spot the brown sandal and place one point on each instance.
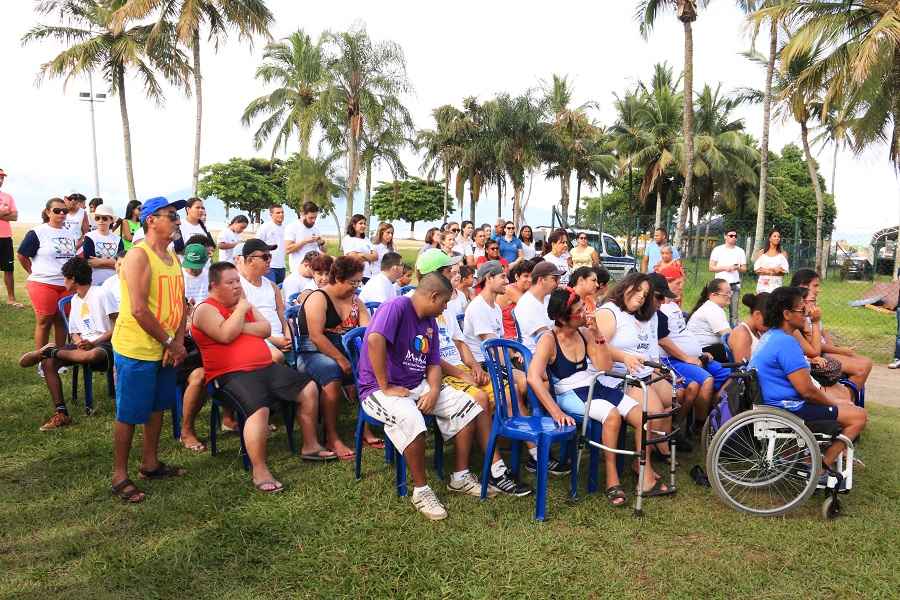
(127, 492)
(162, 471)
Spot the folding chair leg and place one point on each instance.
(515, 452)
(573, 487)
(401, 474)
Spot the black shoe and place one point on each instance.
(505, 484)
(554, 467)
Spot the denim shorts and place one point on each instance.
(694, 374)
(143, 387)
(322, 368)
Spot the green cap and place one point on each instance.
(433, 259)
(195, 256)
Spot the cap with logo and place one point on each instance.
(433, 260)
(195, 256)
(255, 245)
(158, 203)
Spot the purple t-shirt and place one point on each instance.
(412, 345)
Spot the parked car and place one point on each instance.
(612, 256)
(857, 267)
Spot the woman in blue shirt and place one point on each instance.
(510, 245)
(783, 371)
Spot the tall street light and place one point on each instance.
(90, 97)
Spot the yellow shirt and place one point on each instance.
(582, 257)
(165, 300)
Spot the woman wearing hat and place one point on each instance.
(102, 245)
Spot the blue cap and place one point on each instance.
(154, 204)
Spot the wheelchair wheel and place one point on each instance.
(706, 434)
(831, 508)
(763, 462)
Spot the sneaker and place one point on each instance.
(894, 364)
(470, 486)
(554, 466)
(40, 370)
(505, 484)
(427, 503)
(56, 421)
(63, 370)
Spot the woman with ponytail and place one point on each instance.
(708, 321)
(744, 338)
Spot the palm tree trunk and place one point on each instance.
(895, 141)
(352, 166)
(687, 130)
(126, 132)
(499, 201)
(577, 196)
(658, 221)
(834, 171)
(198, 96)
(564, 183)
(811, 167)
(367, 209)
(447, 189)
(517, 204)
(764, 144)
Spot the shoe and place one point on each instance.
(427, 503)
(58, 420)
(894, 364)
(469, 485)
(553, 466)
(40, 370)
(505, 484)
(63, 370)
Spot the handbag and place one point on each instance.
(829, 374)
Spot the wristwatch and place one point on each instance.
(168, 341)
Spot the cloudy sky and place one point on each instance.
(453, 50)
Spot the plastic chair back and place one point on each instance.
(352, 342)
(728, 354)
(372, 307)
(460, 319)
(64, 306)
(406, 288)
(498, 355)
(293, 297)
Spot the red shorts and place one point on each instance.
(45, 297)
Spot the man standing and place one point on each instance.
(148, 343)
(499, 229)
(651, 252)
(531, 309)
(728, 261)
(302, 236)
(272, 233)
(8, 213)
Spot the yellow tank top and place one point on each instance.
(581, 257)
(165, 300)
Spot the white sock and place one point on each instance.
(458, 475)
(498, 468)
(533, 453)
(419, 490)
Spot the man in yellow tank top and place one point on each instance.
(148, 343)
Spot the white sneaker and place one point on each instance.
(63, 370)
(894, 364)
(427, 503)
(40, 370)
(470, 486)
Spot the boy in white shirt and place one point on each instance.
(272, 233)
(112, 286)
(382, 287)
(196, 275)
(298, 280)
(728, 261)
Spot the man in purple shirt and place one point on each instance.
(400, 380)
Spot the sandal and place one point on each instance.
(162, 471)
(616, 492)
(657, 490)
(15, 305)
(126, 491)
(376, 443)
(274, 489)
(197, 446)
(322, 455)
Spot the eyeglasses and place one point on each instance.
(103, 218)
(173, 216)
(726, 294)
(510, 228)
(59, 211)
(583, 237)
(454, 231)
(798, 310)
(264, 257)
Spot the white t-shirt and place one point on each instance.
(89, 316)
(229, 237)
(458, 303)
(49, 249)
(299, 231)
(113, 289)
(363, 246)
(101, 246)
(189, 230)
(381, 250)
(477, 252)
(531, 315)
(448, 330)
(706, 322)
(767, 283)
(196, 288)
(481, 319)
(632, 336)
(562, 263)
(528, 251)
(262, 297)
(680, 335)
(293, 284)
(378, 289)
(464, 247)
(725, 256)
(273, 235)
(139, 234)
(74, 221)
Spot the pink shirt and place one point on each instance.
(6, 203)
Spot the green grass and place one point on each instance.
(209, 535)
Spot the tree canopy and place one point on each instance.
(251, 185)
(411, 200)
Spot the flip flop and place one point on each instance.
(615, 492)
(657, 490)
(376, 443)
(15, 305)
(349, 455)
(162, 471)
(197, 447)
(126, 491)
(273, 490)
(319, 456)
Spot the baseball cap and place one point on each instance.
(433, 260)
(545, 269)
(158, 203)
(660, 285)
(488, 269)
(195, 256)
(105, 211)
(255, 245)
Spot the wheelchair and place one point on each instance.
(764, 460)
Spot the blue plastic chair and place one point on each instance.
(728, 353)
(352, 341)
(537, 429)
(460, 319)
(406, 288)
(88, 374)
(293, 297)
(372, 307)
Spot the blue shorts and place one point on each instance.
(322, 368)
(143, 387)
(816, 412)
(694, 374)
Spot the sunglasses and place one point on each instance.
(264, 257)
(734, 235)
(510, 228)
(59, 211)
(454, 230)
(582, 238)
(171, 215)
(103, 218)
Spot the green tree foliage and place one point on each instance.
(410, 200)
(251, 185)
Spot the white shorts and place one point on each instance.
(605, 401)
(403, 421)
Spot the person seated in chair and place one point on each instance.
(382, 287)
(744, 338)
(231, 334)
(400, 381)
(264, 295)
(709, 321)
(91, 319)
(297, 281)
(784, 374)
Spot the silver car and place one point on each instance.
(612, 256)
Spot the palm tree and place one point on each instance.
(94, 46)
(686, 11)
(626, 132)
(294, 107)
(441, 147)
(837, 125)
(477, 165)
(314, 179)
(249, 17)
(362, 76)
(382, 142)
(596, 164)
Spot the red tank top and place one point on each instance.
(244, 353)
(509, 322)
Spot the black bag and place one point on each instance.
(827, 375)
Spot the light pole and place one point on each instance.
(90, 97)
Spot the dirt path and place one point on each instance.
(883, 386)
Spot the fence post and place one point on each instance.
(795, 260)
